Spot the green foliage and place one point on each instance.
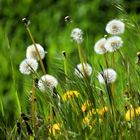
(49, 29)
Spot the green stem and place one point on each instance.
(40, 60)
(106, 60)
(65, 65)
(33, 105)
(81, 59)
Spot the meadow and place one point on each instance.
(69, 70)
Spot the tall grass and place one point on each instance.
(79, 108)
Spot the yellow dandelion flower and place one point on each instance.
(86, 105)
(100, 112)
(132, 113)
(70, 94)
(54, 129)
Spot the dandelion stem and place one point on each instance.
(106, 60)
(81, 58)
(65, 65)
(113, 66)
(40, 60)
(33, 105)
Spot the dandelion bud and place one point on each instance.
(64, 54)
(68, 19)
(26, 22)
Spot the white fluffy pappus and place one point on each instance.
(115, 27)
(28, 65)
(80, 72)
(77, 35)
(113, 43)
(31, 52)
(99, 46)
(47, 82)
(107, 76)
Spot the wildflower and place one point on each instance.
(101, 112)
(54, 129)
(115, 27)
(70, 94)
(99, 46)
(107, 76)
(87, 104)
(84, 70)
(77, 35)
(132, 113)
(28, 65)
(47, 82)
(113, 43)
(32, 53)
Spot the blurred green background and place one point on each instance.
(49, 28)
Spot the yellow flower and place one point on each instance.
(132, 113)
(70, 94)
(86, 105)
(100, 112)
(54, 129)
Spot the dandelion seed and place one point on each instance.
(80, 71)
(70, 94)
(115, 27)
(31, 52)
(47, 82)
(113, 43)
(99, 46)
(132, 113)
(107, 76)
(28, 65)
(77, 35)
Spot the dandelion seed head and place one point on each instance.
(107, 76)
(77, 35)
(80, 72)
(28, 65)
(115, 27)
(31, 52)
(99, 46)
(47, 82)
(113, 43)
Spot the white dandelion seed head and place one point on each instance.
(115, 27)
(31, 52)
(113, 43)
(77, 35)
(107, 76)
(47, 82)
(80, 72)
(28, 65)
(99, 46)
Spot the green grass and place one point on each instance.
(16, 104)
